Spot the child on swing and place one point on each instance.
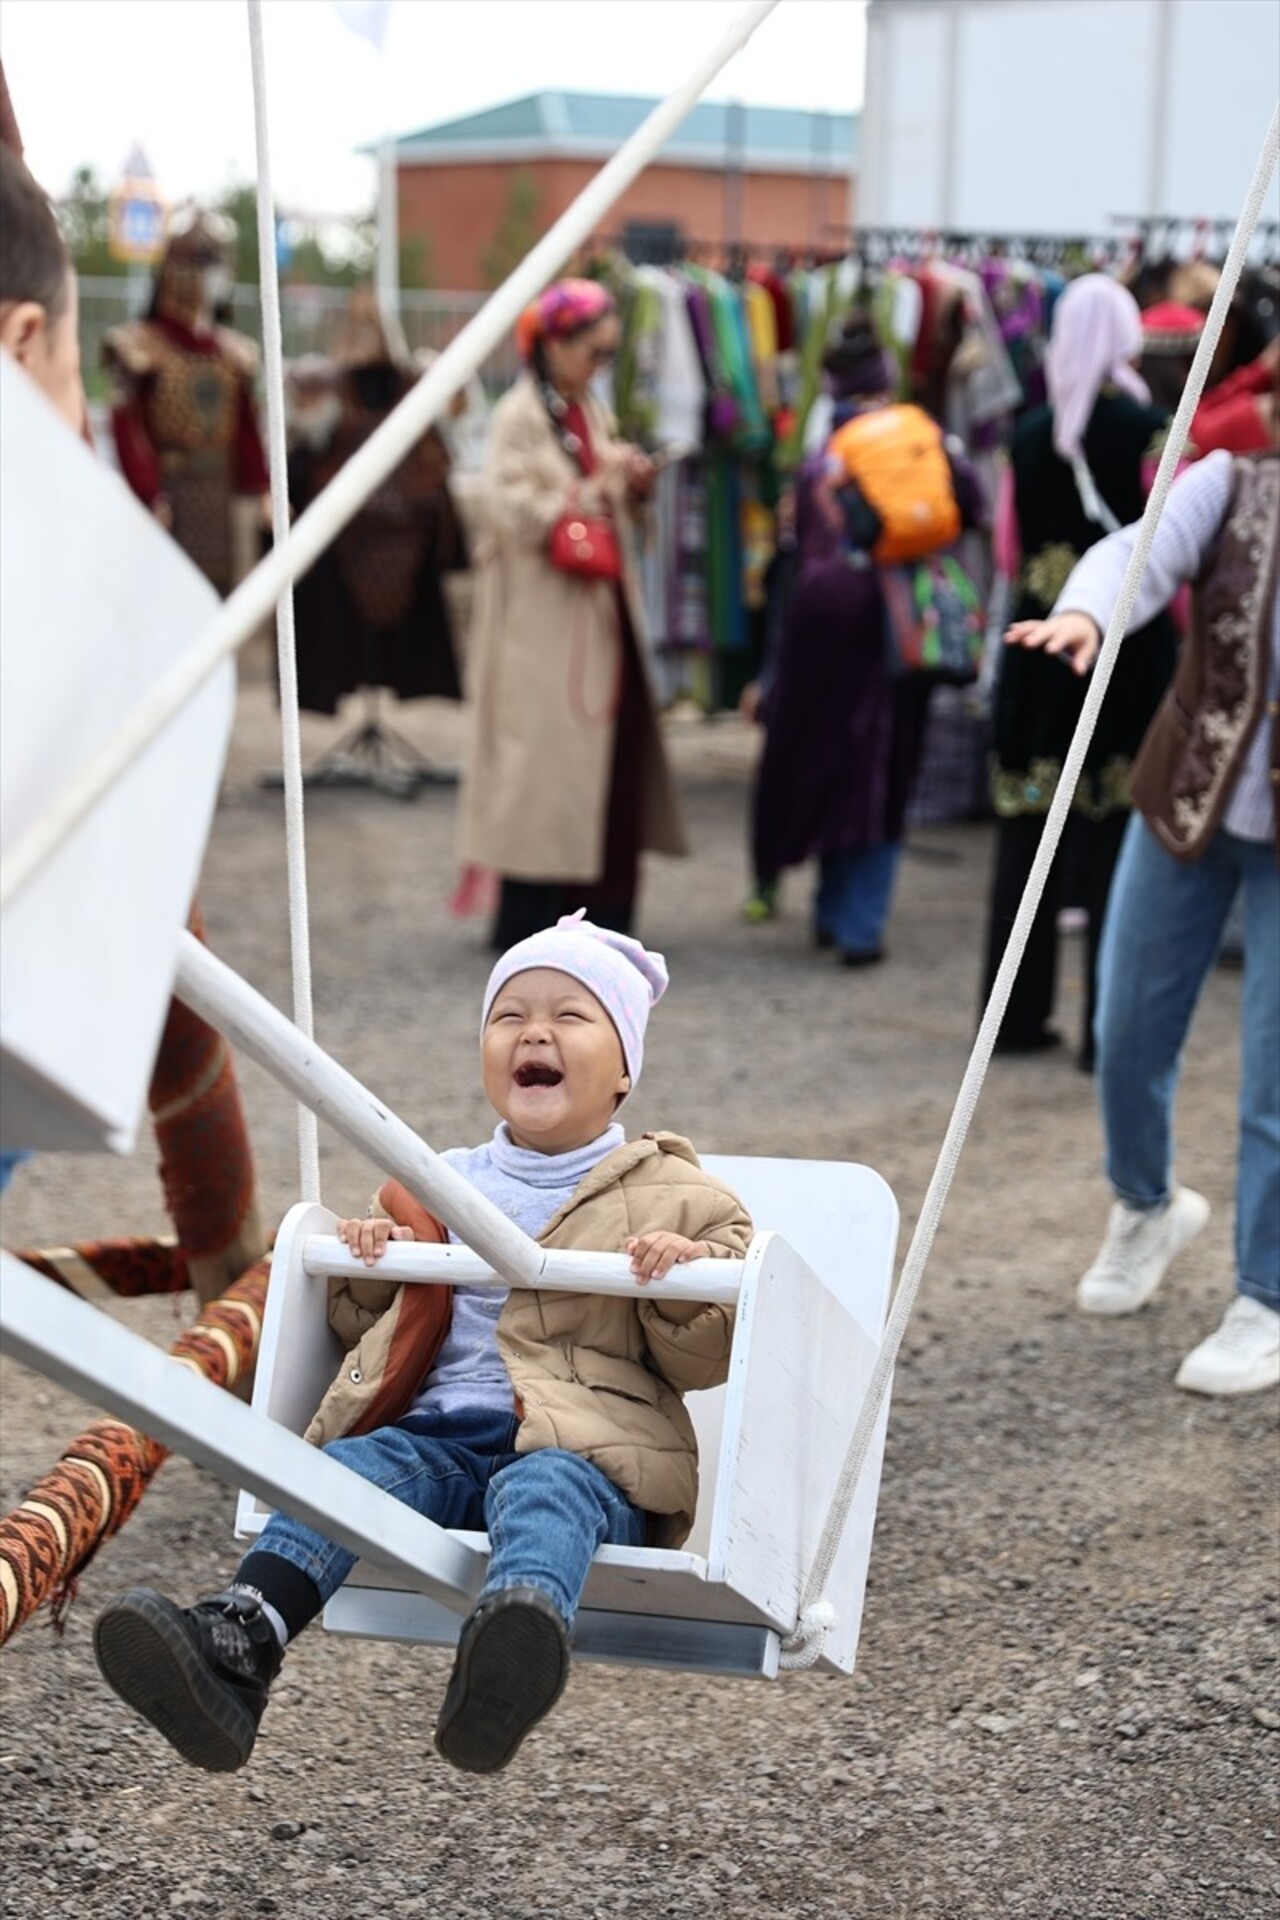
(553, 1420)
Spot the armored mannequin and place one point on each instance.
(184, 418)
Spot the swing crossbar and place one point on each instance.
(564, 1270)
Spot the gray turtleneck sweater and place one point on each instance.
(529, 1187)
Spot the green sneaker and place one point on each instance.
(761, 904)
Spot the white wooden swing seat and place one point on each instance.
(812, 1300)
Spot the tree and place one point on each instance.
(85, 224)
(239, 202)
(516, 231)
(415, 266)
(317, 252)
(338, 252)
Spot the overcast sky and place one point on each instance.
(90, 78)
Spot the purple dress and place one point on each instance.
(843, 740)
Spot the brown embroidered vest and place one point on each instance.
(1187, 766)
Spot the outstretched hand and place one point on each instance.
(654, 1254)
(1074, 635)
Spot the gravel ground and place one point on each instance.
(1066, 1704)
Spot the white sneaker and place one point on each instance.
(1243, 1356)
(1138, 1248)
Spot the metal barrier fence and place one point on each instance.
(313, 319)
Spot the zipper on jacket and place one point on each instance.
(566, 1348)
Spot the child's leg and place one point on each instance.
(440, 1474)
(201, 1674)
(547, 1513)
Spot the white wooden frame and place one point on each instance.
(802, 1358)
(84, 1350)
(772, 1441)
(86, 626)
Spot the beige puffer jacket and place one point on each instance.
(598, 1374)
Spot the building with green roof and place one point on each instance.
(476, 192)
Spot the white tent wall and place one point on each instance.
(1055, 116)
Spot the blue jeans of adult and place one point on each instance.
(545, 1512)
(855, 888)
(10, 1158)
(1163, 928)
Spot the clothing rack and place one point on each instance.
(1209, 238)
(878, 245)
(736, 255)
(1138, 238)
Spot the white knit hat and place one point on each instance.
(625, 977)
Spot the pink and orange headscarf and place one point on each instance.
(565, 307)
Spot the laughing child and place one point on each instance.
(552, 1420)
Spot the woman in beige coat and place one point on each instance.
(568, 779)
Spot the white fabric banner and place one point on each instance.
(368, 18)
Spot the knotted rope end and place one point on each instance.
(803, 1646)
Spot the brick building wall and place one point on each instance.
(457, 209)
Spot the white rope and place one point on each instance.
(804, 1646)
(255, 597)
(287, 651)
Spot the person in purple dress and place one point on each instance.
(843, 733)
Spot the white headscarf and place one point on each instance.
(1096, 333)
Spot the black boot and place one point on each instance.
(511, 1666)
(199, 1674)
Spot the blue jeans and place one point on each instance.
(1163, 927)
(855, 887)
(545, 1512)
(10, 1158)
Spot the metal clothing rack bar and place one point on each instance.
(1177, 223)
(657, 251)
(975, 237)
(1148, 232)
(1209, 238)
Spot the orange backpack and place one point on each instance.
(896, 459)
